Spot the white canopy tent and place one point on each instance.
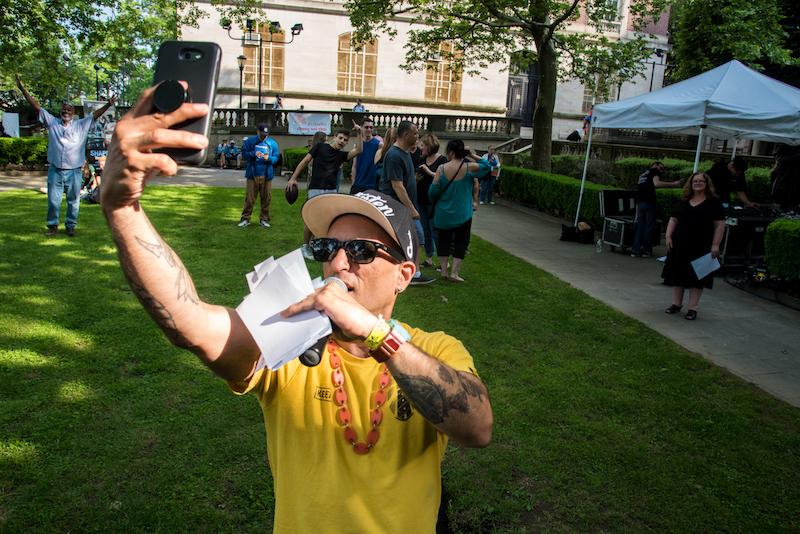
(730, 101)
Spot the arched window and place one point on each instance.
(272, 60)
(442, 83)
(357, 71)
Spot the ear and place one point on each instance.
(405, 272)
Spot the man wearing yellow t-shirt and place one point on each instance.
(355, 443)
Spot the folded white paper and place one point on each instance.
(705, 265)
(274, 286)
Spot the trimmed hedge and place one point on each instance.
(293, 156)
(782, 244)
(556, 193)
(25, 151)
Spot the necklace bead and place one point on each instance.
(340, 396)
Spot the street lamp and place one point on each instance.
(241, 59)
(66, 59)
(252, 35)
(620, 79)
(97, 81)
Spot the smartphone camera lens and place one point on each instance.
(187, 55)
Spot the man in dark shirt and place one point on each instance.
(729, 177)
(647, 208)
(328, 157)
(398, 180)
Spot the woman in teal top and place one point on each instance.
(455, 194)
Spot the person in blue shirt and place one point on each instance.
(66, 154)
(261, 153)
(232, 154)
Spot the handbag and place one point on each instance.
(449, 183)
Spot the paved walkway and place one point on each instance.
(754, 338)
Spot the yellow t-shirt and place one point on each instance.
(321, 484)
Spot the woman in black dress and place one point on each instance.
(696, 228)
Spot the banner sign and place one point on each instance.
(309, 123)
(102, 130)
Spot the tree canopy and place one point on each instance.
(119, 36)
(709, 33)
(497, 31)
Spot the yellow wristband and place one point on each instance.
(378, 334)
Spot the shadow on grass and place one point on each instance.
(601, 424)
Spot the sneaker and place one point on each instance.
(243, 223)
(491, 203)
(636, 254)
(307, 254)
(51, 230)
(422, 279)
(71, 231)
(646, 254)
(481, 202)
(264, 224)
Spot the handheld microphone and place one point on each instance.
(313, 355)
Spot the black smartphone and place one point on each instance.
(196, 63)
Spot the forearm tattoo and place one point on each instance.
(429, 397)
(183, 285)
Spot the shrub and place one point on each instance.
(759, 186)
(782, 244)
(26, 151)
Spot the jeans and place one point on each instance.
(60, 181)
(427, 228)
(642, 239)
(487, 188)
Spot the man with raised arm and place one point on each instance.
(356, 442)
(66, 154)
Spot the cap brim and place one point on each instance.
(319, 213)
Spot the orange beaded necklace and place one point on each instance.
(340, 396)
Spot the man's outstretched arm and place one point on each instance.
(32, 101)
(155, 273)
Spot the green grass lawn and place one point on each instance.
(601, 424)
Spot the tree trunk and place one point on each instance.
(542, 146)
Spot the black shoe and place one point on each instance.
(51, 230)
(422, 279)
(71, 231)
(691, 315)
(646, 254)
(673, 309)
(636, 254)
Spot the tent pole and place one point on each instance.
(697, 154)
(583, 178)
(733, 152)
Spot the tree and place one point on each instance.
(120, 36)
(710, 33)
(494, 31)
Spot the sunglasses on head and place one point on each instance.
(359, 251)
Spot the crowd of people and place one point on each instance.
(401, 165)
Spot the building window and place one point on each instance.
(272, 60)
(589, 99)
(357, 71)
(442, 83)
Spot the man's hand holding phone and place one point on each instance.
(131, 162)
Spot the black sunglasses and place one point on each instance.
(358, 250)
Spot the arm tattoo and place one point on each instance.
(158, 250)
(183, 283)
(430, 398)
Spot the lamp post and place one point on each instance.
(256, 36)
(620, 79)
(66, 59)
(97, 81)
(241, 59)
